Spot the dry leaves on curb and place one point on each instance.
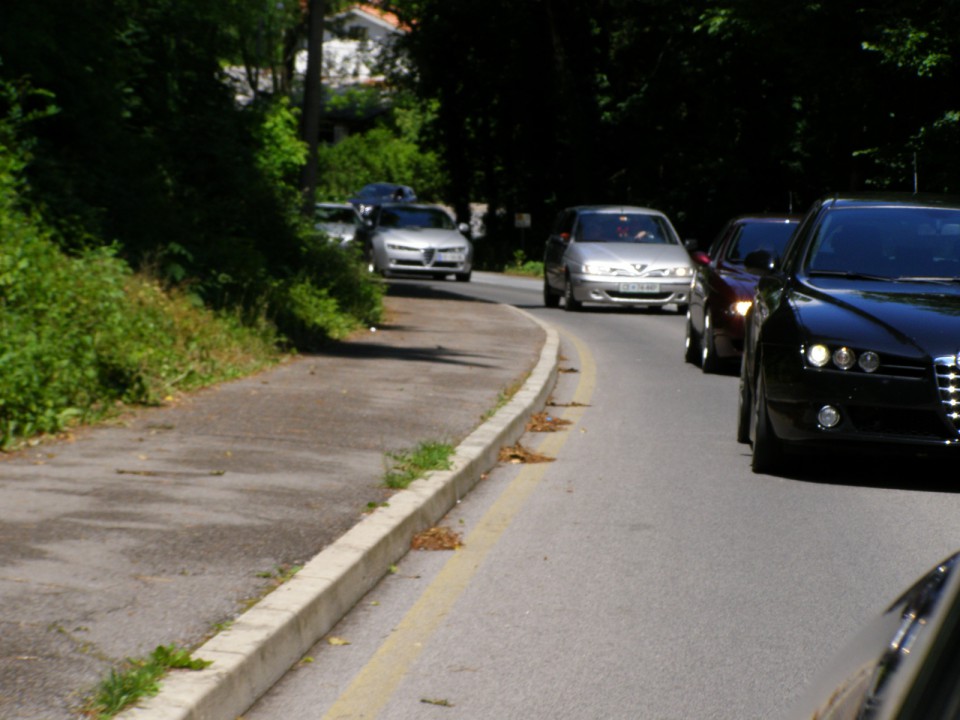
(519, 454)
(437, 538)
(544, 422)
(568, 370)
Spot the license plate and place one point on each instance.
(454, 257)
(639, 288)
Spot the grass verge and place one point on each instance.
(407, 466)
(137, 679)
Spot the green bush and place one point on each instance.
(329, 297)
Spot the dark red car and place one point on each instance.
(722, 289)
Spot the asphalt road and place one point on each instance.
(646, 573)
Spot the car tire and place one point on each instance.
(709, 363)
(570, 303)
(682, 308)
(743, 410)
(464, 277)
(551, 299)
(767, 447)
(691, 343)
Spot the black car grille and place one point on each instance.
(948, 385)
(920, 424)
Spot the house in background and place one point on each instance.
(358, 43)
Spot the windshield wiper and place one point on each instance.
(947, 280)
(850, 275)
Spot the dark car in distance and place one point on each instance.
(722, 288)
(854, 335)
(376, 194)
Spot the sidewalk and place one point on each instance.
(167, 527)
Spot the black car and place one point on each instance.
(854, 334)
(904, 664)
(722, 289)
(376, 194)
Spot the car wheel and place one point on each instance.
(464, 277)
(691, 344)
(744, 410)
(570, 303)
(682, 308)
(550, 298)
(767, 447)
(708, 349)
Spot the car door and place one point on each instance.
(557, 243)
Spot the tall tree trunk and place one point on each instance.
(312, 92)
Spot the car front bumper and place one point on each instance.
(873, 408)
(432, 262)
(630, 291)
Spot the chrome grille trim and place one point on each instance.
(947, 373)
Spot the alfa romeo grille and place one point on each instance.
(948, 384)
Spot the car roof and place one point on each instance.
(615, 209)
(887, 199)
(767, 217)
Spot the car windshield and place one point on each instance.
(415, 217)
(343, 215)
(769, 236)
(888, 242)
(622, 228)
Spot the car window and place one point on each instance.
(888, 242)
(769, 236)
(336, 215)
(622, 228)
(414, 217)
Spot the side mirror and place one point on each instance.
(463, 228)
(700, 258)
(761, 262)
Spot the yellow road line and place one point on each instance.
(373, 686)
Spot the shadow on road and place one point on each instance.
(876, 469)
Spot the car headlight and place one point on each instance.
(600, 269)
(842, 358)
(741, 307)
(402, 248)
(680, 272)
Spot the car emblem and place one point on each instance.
(639, 268)
(428, 254)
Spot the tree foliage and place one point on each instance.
(704, 109)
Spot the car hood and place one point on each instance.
(884, 316)
(423, 237)
(632, 253)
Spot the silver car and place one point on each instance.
(401, 238)
(616, 255)
(339, 221)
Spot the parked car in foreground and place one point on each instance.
(854, 335)
(422, 240)
(616, 255)
(374, 194)
(903, 665)
(722, 289)
(339, 221)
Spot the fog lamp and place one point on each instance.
(828, 416)
(844, 358)
(869, 361)
(818, 355)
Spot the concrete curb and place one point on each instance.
(271, 637)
